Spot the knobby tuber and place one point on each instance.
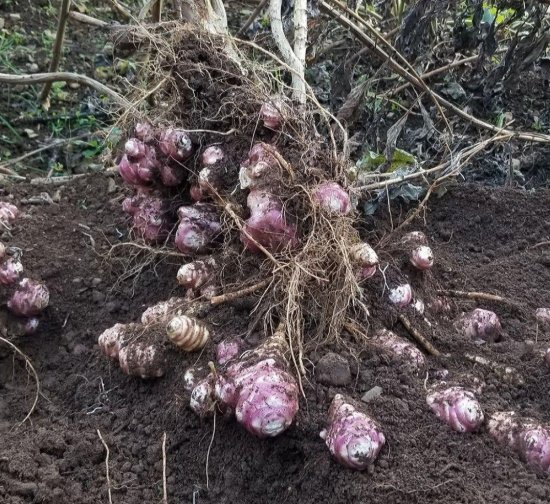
(150, 217)
(198, 227)
(457, 407)
(29, 299)
(10, 271)
(480, 325)
(227, 350)
(364, 256)
(332, 198)
(196, 274)
(176, 144)
(353, 438)
(8, 213)
(270, 113)
(401, 296)
(187, 333)
(259, 168)
(400, 349)
(528, 438)
(162, 312)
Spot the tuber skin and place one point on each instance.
(202, 397)
(259, 167)
(8, 213)
(227, 350)
(144, 359)
(267, 224)
(187, 333)
(332, 198)
(457, 407)
(176, 144)
(528, 438)
(270, 114)
(480, 325)
(150, 217)
(543, 316)
(353, 438)
(260, 390)
(2, 251)
(162, 313)
(196, 274)
(198, 228)
(366, 259)
(111, 340)
(171, 176)
(212, 155)
(414, 238)
(29, 299)
(401, 296)
(422, 257)
(400, 349)
(141, 171)
(10, 271)
(144, 132)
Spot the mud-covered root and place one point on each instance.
(528, 438)
(457, 407)
(187, 333)
(399, 349)
(353, 438)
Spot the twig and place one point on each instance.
(106, 466)
(35, 374)
(57, 48)
(252, 17)
(57, 180)
(64, 77)
(209, 449)
(121, 10)
(505, 373)
(541, 244)
(231, 296)
(164, 486)
(84, 18)
(484, 296)
(422, 341)
(53, 145)
(374, 47)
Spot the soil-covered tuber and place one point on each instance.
(29, 299)
(8, 213)
(401, 296)
(399, 348)
(227, 350)
(260, 167)
(196, 274)
(198, 227)
(457, 407)
(353, 438)
(150, 217)
(10, 271)
(481, 326)
(332, 198)
(110, 341)
(162, 312)
(528, 438)
(176, 144)
(270, 113)
(143, 358)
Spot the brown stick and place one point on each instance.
(121, 10)
(483, 296)
(156, 11)
(231, 296)
(421, 340)
(84, 18)
(505, 373)
(252, 17)
(64, 77)
(57, 48)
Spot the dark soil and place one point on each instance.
(483, 241)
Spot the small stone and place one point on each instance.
(111, 186)
(33, 67)
(96, 281)
(372, 394)
(14, 16)
(333, 369)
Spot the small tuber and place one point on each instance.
(187, 333)
(176, 144)
(30, 298)
(457, 407)
(198, 227)
(401, 296)
(332, 198)
(481, 326)
(399, 348)
(10, 271)
(8, 213)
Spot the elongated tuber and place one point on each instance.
(457, 407)
(267, 224)
(399, 348)
(528, 438)
(30, 298)
(187, 333)
(480, 325)
(353, 438)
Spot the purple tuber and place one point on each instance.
(150, 217)
(30, 298)
(267, 224)
(528, 438)
(401, 296)
(227, 350)
(422, 257)
(481, 326)
(176, 144)
(144, 132)
(198, 228)
(270, 113)
(457, 407)
(8, 213)
(332, 198)
(260, 165)
(353, 438)
(10, 271)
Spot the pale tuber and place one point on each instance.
(8, 213)
(196, 274)
(457, 407)
(353, 438)
(142, 358)
(401, 296)
(111, 340)
(187, 333)
(481, 326)
(543, 316)
(399, 348)
(198, 228)
(332, 198)
(366, 259)
(30, 298)
(202, 396)
(422, 257)
(260, 166)
(162, 312)
(150, 217)
(528, 438)
(267, 224)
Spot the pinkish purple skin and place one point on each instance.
(353, 438)
(176, 144)
(227, 350)
(30, 298)
(270, 114)
(31, 325)
(212, 155)
(523, 435)
(457, 407)
(367, 272)
(415, 238)
(400, 348)
(140, 172)
(144, 132)
(332, 198)
(422, 257)
(440, 305)
(257, 166)
(198, 228)
(401, 295)
(267, 224)
(264, 396)
(196, 193)
(481, 325)
(171, 176)
(10, 271)
(135, 149)
(8, 212)
(150, 219)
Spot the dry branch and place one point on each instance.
(421, 340)
(84, 18)
(231, 296)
